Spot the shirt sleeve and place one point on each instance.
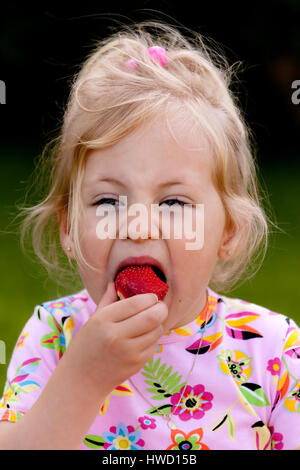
(34, 358)
(284, 422)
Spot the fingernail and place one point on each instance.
(157, 299)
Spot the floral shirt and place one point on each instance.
(243, 392)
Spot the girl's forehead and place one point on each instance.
(147, 165)
(172, 129)
(169, 145)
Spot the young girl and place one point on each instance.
(151, 117)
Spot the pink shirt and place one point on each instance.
(244, 391)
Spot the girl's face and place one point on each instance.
(150, 167)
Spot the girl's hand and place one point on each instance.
(118, 339)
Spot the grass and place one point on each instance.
(24, 284)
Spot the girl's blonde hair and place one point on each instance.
(108, 101)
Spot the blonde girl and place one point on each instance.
(152, 117)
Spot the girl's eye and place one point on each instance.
(111, 201)
(105, 200)
(172, 202)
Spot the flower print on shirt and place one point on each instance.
(274, 366)
(233, 422)
(121, 390)
(292, 401)
(123, 437)
(291, 352)
(236, 325)
(187, 441)
(277, 439)
(147, 423)
(164, 383)
(66, 304)
(292, 342)
(120, 437)
(191, 402)
(237, 364)
(206, 320)
(20, 383)
(262, 436)
(60, 336)
(21, 340)
(206, 344)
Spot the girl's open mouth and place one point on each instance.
(141, 279)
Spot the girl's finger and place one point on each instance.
(126, 308)
(145, 321)
(109, 296)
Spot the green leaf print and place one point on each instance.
(254, 394)
(160, 371)
(163, 408)
(221, 423)
(55, 339)
(172, 382)
(94, 441)
(231, 426)
(152, 368)
(162, 383)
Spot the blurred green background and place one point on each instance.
(41, 46)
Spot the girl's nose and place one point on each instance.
(140, 221)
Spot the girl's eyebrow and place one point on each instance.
(167, 183)
(111, 180)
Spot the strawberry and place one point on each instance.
(139, 279)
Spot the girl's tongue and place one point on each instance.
(139, 279)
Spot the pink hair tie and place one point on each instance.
(159, 54)
(131, 64)
(156, 54)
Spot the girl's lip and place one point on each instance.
(140, 260)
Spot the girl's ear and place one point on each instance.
(233, 239)
(65, 239)
(228, 244)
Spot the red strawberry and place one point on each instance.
(139, 279)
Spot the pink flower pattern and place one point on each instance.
(274, 366)
(277, 439)
(193, 403)
(147, 423)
